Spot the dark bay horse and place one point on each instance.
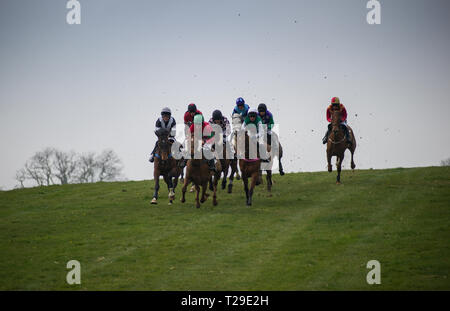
(165, 165)
(198, 172)
(277, 152)
(225, 165)
(337, 144)
(249, 169)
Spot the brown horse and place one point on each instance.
(165, 165)
(337, 144)
(198, 172)
(226, 164)
(249, 169)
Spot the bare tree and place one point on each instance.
(21, 176)
(445, 162)
(42, 161)
(50, 165)
(64, 164)
(86, 168)
(108, 165)
(34, 172)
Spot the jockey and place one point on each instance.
(190, 114)
(219, 119)
(252, 118)
(336, 105)
(241, 107)
(207, 137)
(165, 121)
(266, 118)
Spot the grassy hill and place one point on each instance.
(310, 235)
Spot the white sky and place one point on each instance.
(102, 84)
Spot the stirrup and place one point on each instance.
(152, 159)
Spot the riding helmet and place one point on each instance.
(240, 101)
(262, 107)
(217, 115)
(253, 111)
(335, 101)
(166, 111)
(192, 107)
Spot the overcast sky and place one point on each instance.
(103, 83)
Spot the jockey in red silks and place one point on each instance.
(191, 112)
(336, 105)
(207, 137)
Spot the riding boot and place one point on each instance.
(152, 155)
(325, 138)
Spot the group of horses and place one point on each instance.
(199, 174)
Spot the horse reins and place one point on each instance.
(335, 143)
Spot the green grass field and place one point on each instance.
(310, 235)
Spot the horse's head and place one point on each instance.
(236, 121)
(335, 121)
(164, 144)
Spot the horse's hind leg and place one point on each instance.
(197, 188)
(204, 186)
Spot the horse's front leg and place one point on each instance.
(280, 167)
(269, 181)
(216, 181)
(168, 180)
(155, 193)
(225, 174)
(352, 163)
(233, 170)
(183, 190)
(330, 168)
(245, 180)
(211, 187)
(339, 165)
(238, 177)
(255, 177)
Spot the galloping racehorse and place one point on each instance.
(165, 165)
(236, 121)
(226, 163)
(249, 169)
(197, 172)
(337, 144)
(265, 166)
